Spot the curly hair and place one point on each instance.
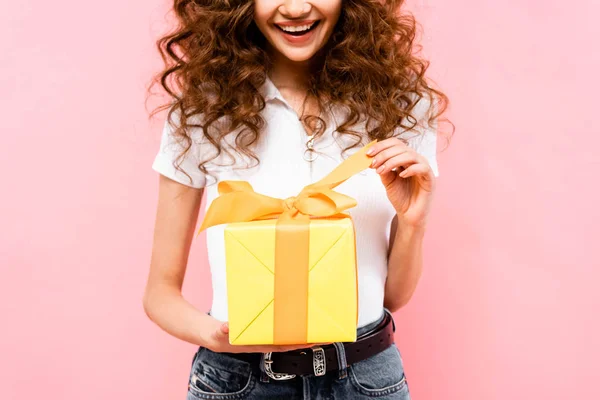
(369, 66)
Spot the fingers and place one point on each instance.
(385, 144)
(394, 154)
(402, 158)
(381, 162)
(415, 169)
(387, 155)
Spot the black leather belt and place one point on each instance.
(320, 360)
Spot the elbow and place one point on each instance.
(147, 304)
(397, 302)
(156, 298)
(394, 306)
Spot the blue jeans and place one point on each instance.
(221, 376)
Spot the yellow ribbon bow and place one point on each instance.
(238, 202)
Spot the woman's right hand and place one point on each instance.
(219, 342)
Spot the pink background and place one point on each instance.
(509, 302)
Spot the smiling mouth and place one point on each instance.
(298, 30)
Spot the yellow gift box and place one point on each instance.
(331, 270)
(291, 263)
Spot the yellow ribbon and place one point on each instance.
(238, 202)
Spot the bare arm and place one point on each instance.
(405, 264)
(176, 218)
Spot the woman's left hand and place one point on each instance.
(407, 177)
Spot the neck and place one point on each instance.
(286, 73)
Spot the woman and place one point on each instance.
(278, 93)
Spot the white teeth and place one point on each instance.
(296, 28)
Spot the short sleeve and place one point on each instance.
(171, 148)
(423, 137)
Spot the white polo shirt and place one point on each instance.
(283, 172)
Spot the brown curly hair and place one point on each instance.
(369, 66)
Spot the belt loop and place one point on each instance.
(263, 374)
(341, 359)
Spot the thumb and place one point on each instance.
(224, 329)
(388, 177)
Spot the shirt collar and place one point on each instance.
(269, 91)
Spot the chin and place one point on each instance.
(298, 56)
(295, 54)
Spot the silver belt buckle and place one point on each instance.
(267, 362)
(319, 361)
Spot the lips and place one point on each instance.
(298, 28)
